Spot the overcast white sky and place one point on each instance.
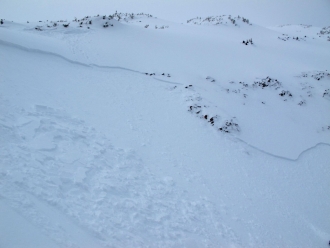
(265, 12)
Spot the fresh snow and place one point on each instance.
(140, 132)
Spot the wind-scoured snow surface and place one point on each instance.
(132, 131)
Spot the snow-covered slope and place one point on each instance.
(132, 131)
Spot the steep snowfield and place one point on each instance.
(176, 136)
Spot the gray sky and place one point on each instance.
(264, 12)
